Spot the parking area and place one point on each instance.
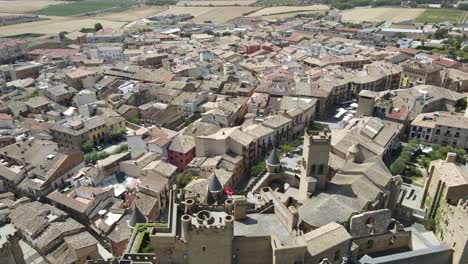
(340, 115)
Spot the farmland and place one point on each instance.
(132, 14)
(216, 3)
(81, 7)
(216, 14)
(393, 14)
(293, 14)
(54, 25)
(277, 3)
(440, 15)
(22, 6)
(288, 9)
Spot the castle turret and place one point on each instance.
(273, 164)
(137, 218)
(186, 227)
(314, 169)
(215, 188)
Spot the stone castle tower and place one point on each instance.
(273, 164)
(314, 167)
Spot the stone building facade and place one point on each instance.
(453, 231)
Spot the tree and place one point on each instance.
(184, 179)
(452, 52)
(121, 148)
(94, 156)
(87, 146)
(135, 120)
(98, 26)
(257, 168)
(441, 33)
(463, 6)
(116, 133)
(62, 34)
(397, 167)
(400, 35)
(288, 147)
(35, 93)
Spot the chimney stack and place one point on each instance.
(451, 157)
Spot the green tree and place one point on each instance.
(441, 33)
(400, 35)
(98, 26)
(463, 6)
(35, 93)
(288, 147)
(116, 133)
(87, 146)
(94, 156)
(121, 148)
(184, 179)
(135, 120)
(397, 167)
(257, 168)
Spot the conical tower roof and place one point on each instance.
(214, 185)
(137, 218)
(273, 158)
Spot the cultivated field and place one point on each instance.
(132, 14)
(293, 14)
(463, 18)
(216, 3)
(393, 14)
(288, 9)
(23, 6)
(82, 7)
(278, 3)
(55, 25)
(440, 15)
(218, 14)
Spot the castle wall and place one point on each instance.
(294, 254)
(214, 244)
(252, 250)
(370, 223)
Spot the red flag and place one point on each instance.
(228, 191)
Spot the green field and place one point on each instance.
(82, 7)
(277, 3)
(439, 15)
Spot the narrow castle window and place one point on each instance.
(320, 169)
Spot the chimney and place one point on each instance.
(451, 156)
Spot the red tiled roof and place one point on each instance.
(260, 98)
(12, 42)
(446, 62)
(317, 74)
(290, 50)
(54, 52)
(5, 116)
(258, 52)
(294, 38)
(400, 115)
(168, 77)
(409, 51)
